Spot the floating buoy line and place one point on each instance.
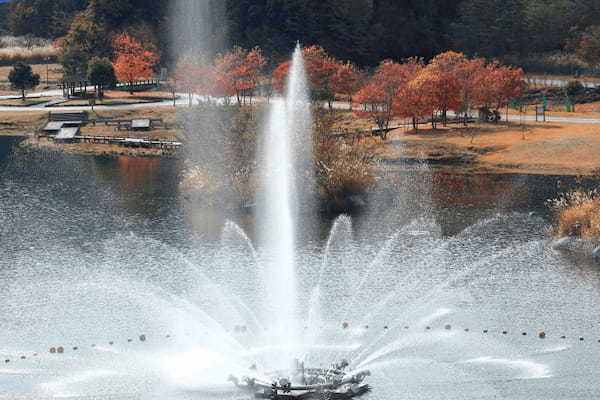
(143, 338)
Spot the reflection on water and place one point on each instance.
(148, 189)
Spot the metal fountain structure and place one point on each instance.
(306, 383)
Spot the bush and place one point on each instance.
(578, 214)
(574, 88)
(344, 165)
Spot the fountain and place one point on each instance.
(286, 157)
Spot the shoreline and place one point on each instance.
(95, 149)
(449, 162)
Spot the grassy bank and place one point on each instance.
(577, 214)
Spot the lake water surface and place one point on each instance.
(98, 250)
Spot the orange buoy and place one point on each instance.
(142, 338)
(542, 335)
(345, 325)
(52, 350)
(447, 327)
(60, 350)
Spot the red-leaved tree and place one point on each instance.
(496, 85)
(191, 78)
(347, 80)
(133, 59)
(414, 98)
(320, 68)
(377, 98)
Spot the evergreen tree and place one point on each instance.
(101, 74)
(21, 77)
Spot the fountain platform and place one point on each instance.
(306, 383)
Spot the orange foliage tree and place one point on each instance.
(496, 85)
(320, 68)
(279, 75)
(469, 76)
(133, 60)
(377, 98)
(192, 78)
(238, 72)
(223, 84)
(249, 73)
(414, 98)
(347, 80)
(443, 83)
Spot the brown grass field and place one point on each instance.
(539, 148)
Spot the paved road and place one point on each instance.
(562, 82)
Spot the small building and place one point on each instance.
(142, 124)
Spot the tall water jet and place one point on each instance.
(196, 28)
(286, 159)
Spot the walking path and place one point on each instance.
(182, 100)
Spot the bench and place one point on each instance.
(72, 116)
